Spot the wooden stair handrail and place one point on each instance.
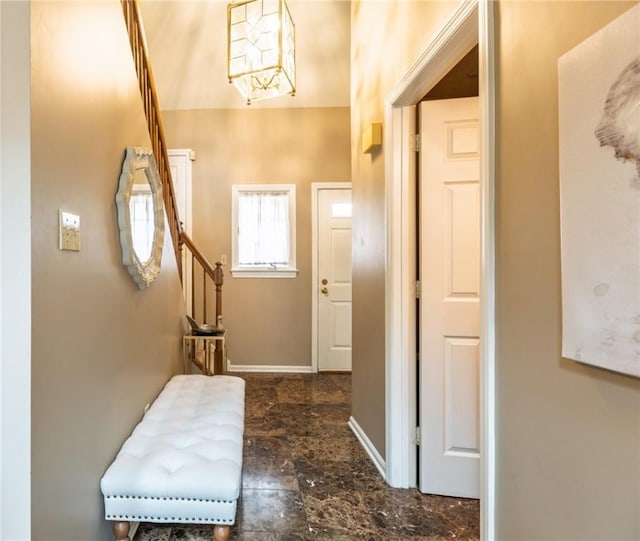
(179, 238)
(133, 20)
(215, 273)
(217, 276)
(208, 268)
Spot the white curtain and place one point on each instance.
(263, 229)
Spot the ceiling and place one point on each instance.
(187, 42)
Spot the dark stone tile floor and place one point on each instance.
(306, 477)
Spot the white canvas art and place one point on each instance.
(599, 108)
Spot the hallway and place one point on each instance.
(306, 477)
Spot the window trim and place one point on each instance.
(244, 271)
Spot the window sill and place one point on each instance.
(263, 273)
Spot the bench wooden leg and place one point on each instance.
(221, 533)
(121, 531)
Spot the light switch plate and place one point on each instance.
(69, 231)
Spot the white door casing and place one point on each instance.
(332, 277)
(449, 304)
(181, 174)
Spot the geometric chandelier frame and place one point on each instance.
(261, 60)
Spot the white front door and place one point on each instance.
(449, 305)
(180, 163)
(333, 288)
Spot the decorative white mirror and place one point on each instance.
(140, 215)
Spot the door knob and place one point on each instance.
(324, 291)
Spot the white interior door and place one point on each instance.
(333, 291)
(449, 304)
(180, 163)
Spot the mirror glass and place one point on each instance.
(140, 215)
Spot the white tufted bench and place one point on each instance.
(183, 462)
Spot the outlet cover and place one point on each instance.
(69, 231)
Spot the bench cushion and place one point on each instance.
(183, 462)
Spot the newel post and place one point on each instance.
(218, 280)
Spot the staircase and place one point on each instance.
(202, 272)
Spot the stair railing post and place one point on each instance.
(218, 279)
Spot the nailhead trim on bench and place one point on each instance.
(192, 519)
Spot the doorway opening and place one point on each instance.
(470, 25)
(460, 82)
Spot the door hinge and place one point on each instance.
(418, 289)
(417, 142)
(417, 435)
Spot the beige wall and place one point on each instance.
(101, 349)
(268, 320)
(568, 435)
(377, 66)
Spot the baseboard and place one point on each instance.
(284, 369)
(375, 457)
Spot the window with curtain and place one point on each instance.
(263, 222)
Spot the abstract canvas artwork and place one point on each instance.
(599, 111)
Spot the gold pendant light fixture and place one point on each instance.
(261, 60)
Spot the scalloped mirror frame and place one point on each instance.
(140, 159)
